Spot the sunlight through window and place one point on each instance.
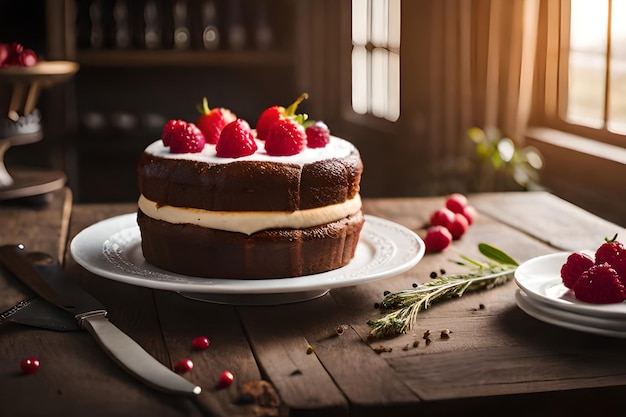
(376, 58)
(597, 65)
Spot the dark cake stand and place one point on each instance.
(20, 124)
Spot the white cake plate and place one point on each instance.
(112, 249)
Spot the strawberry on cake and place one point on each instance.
(248, 208)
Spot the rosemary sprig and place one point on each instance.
(406, 304)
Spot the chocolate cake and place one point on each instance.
(254, 217)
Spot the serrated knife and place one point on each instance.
(91, 315)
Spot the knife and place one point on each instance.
(37, 312)
(91, 315)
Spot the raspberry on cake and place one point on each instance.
(286, 137)
(236, 140)
(275, 113)
(251, 217)
(212, 121)
(317, 135)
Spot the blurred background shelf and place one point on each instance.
(174, 58)
(143, 62)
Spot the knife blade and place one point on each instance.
(37, 312)
(7, 314)
(91, 315)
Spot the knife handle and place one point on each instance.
(127, 353)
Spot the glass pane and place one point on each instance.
(617, 93)
(589, 23)
(379, 81)
(376, 72)
(359, 79)
(394, 25)
(587, 62)
(359, 21)
(380, 22)
(393, 82)
(587, 75)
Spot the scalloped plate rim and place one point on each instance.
(400, 247)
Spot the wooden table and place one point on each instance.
(497, 360)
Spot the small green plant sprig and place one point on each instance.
(500, 154)
(404, 305)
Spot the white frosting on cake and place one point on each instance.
(336, 148)
(250, 222)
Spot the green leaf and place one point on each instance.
(496, 254)
(477, 135)
(300, 118)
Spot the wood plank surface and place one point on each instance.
(181, 321)
(304, 379)
(165, 323)
(548, 218)
(495, 359)
(517, 354)
(40, 226)
(76, 376)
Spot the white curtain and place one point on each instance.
(510, 60)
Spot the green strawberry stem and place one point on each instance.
(203, 108)
(291, 110)
(301, 119)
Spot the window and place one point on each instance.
(376, 58)
(592, 70)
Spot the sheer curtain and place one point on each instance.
(463, 64)
(482, 58)
(509, 64)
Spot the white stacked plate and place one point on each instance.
(543, 296)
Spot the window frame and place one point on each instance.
(348, 115)
(550, 112)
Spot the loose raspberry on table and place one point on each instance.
(600, 284)
(437, 238)
(470, 214)
(458, 227)
(456, 202)
(442, 217)
(573, 268)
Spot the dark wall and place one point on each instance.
(107, 114)
(24, 21)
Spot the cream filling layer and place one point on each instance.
(249, 222)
